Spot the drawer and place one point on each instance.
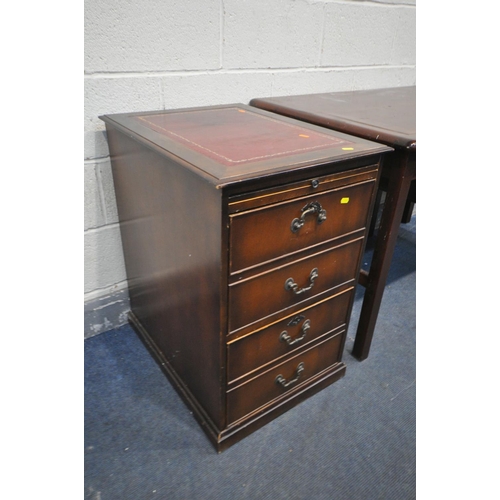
(270, 232)
(291, 190)
(262, 347)
(283, 287)
(293, 373)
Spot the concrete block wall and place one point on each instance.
(164, 54)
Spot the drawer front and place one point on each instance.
(313, 186)
(253, 351)
(286, 286)
(293, 373)
(268, 233)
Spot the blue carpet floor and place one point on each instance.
(355, 440)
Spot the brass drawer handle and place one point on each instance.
(291, 285)
(284, 337)
(280, 380)
(311, 208)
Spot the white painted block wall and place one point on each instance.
(145, 55)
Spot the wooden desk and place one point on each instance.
(243, 233)
(386, 116)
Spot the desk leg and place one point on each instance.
(402, 172)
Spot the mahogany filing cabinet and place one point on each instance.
(243, 233)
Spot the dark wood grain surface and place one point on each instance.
(268, 231)
(265, 294)
(262, 389)
(173, 263)
(384, 115)
(251, 352)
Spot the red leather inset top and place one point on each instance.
(235, 136)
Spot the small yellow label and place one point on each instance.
(347, 149)
(344, 200)
(241, 110)
(303, 135)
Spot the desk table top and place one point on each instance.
(385, 115)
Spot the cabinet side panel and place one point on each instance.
(170, 223)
